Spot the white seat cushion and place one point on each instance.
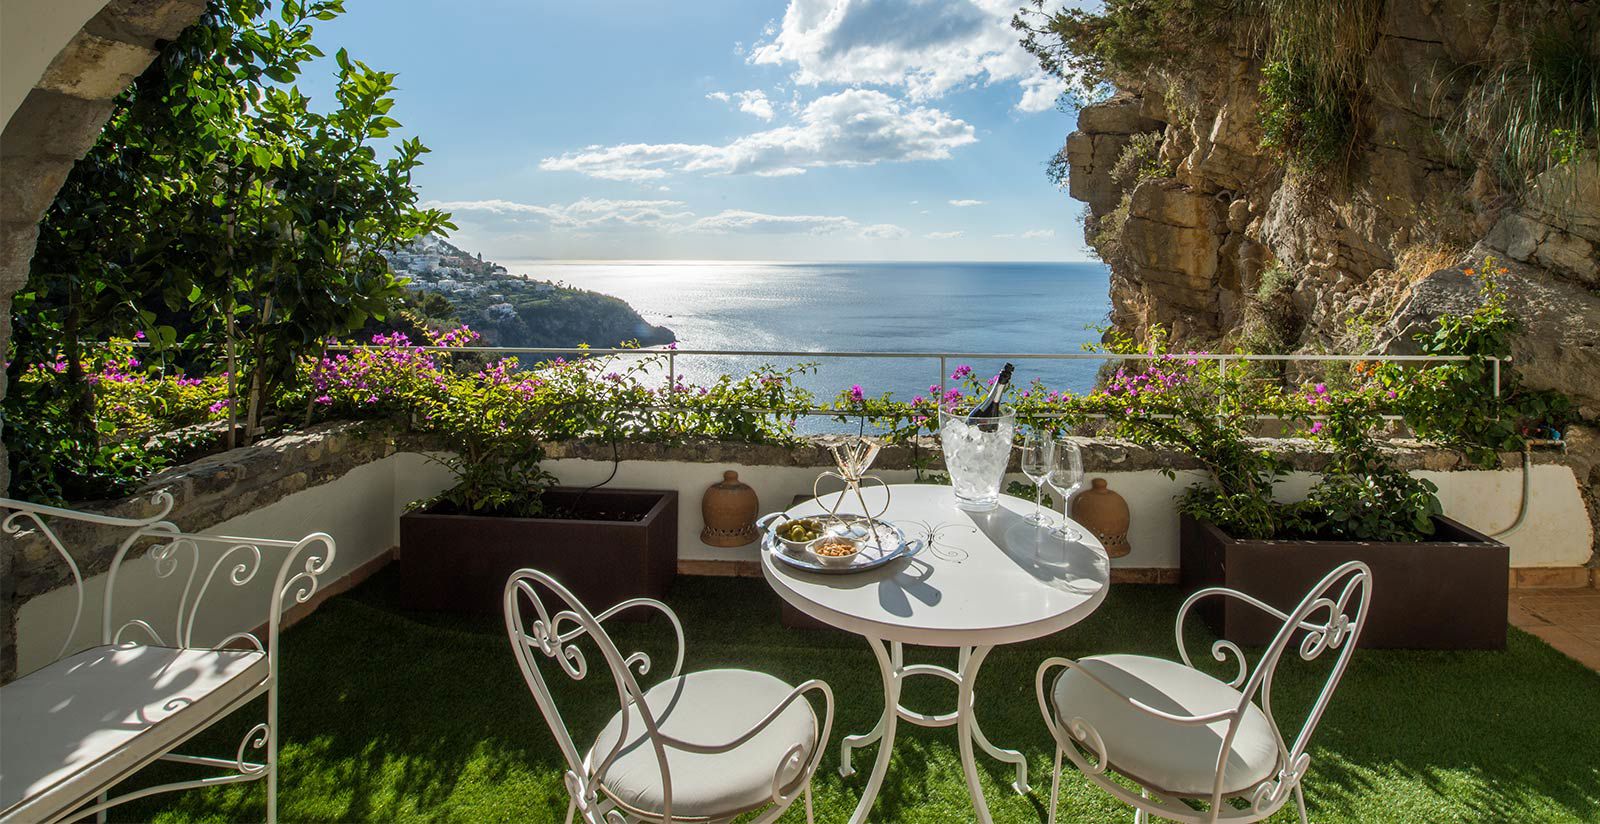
(709, 707)
(1177, 758)
(84, 722)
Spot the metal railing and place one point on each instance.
(941, 358)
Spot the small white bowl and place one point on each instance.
(796, 547)
(835, 560)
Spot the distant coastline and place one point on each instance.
(514, 310)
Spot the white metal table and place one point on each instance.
(982, 579)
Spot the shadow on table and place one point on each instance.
(1069, 566)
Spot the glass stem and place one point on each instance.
(1038, 494)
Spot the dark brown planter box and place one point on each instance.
(1448, 593)
(461, 562)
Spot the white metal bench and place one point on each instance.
(80, 725)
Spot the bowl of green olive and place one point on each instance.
(795, 533)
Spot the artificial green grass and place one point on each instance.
(395, 716)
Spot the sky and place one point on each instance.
(724, 129)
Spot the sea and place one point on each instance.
(860, 307)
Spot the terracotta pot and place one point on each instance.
(730, 510)
(1105, 514)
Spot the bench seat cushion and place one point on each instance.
(84, 722)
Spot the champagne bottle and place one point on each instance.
(986, 412)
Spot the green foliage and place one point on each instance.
(1309, 125)
(220, 210)
(1537, 104)
(1327, 42)
(1028, 492)
(1455, 403)
(137, 427)
(494, 422)
(1189, 404)
(52, 462)
(1140, 160)
(1127, 38)
(1362, 496)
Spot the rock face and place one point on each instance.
(1360, 259)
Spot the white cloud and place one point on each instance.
(882, 231)
(588, 215)
(1031, 234)
(944, 235)
(966, 202)
(927, 47)
(1039, 93)
(855, 127)
(753, 102)
(732, 221)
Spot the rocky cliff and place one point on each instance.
(1225, 242)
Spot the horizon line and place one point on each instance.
(770, 261)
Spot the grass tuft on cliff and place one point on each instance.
(1539, 106)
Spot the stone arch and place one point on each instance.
(53, 123)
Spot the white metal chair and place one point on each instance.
(77, 727)
(1182, 735)
(704, 747)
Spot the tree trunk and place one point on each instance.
(233, 375)
(80, 406)
(258, 376)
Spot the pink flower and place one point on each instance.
(1316, 427)
(856, 394)
(138, 335)
(961, 371)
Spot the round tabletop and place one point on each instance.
(981, 579)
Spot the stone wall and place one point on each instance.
(60, 120)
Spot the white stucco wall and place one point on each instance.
(361, 511)
(1555, 533)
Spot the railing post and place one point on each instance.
(1497, 377)
(672, 371)
(942, 371)
(1222, 377)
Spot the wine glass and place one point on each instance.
(1066, 478)
(1037, 459)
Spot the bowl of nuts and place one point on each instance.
(834, 550)
(795, 534)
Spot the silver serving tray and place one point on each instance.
(891, 543)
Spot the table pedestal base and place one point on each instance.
(891, 663)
